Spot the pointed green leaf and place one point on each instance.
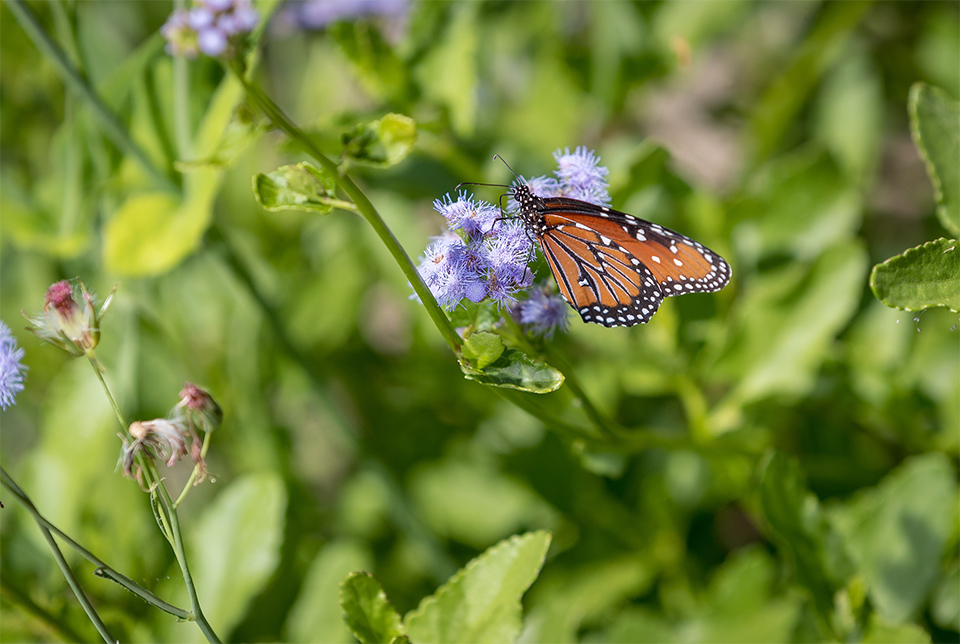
(516, 370)
(381, 143)
(935, 125)
(897, 533)
(794, 516)
(920, 278)
(366, 610)
(482, 348)
(296, 187)
(481, 603)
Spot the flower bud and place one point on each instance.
(198, 408)
(69, 320)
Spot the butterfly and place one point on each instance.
(614, 268)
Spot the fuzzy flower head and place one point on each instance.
(159, 438)
(543, 312)
(483, 256)
(317, 14)
(69, 320)
(11, 367)
(208, 27)
(579, 175)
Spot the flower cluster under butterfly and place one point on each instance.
(613, 268)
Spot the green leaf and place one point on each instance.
(372, 58)
(481, 602)
(946, 600)
(296, 187)
(897, 533)
(448, 74)
(516, 370)
(799, 529)
(920, 278)
(481, 349)
(235, 547)
(880, 632)
(366, 610)
(935, 126)
(312, 617)
(381, 143)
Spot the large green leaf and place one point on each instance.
(897, 533)
(235, 547)
(935, 125)
(481, 349)
(314, 616)
(920, 278)
(296, 187)
(801, 532)
(366, 610)
(515, 370)
(481, 603)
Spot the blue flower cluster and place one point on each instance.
(485, 253)
(11, 367)
(208, 26)
(487, 259)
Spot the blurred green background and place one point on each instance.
(774, 132)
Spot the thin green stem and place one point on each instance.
(195, 473)
(103, 570)
(280, 120)
(61, 561)
(98, 369)
(77, 83)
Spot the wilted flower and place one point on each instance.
(198, 409)
(160, 438)
(69, 320)
(12, 369)
(208, 27)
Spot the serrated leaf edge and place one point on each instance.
(380, 594)
(900, 257)
(426, 602)
(912, 101)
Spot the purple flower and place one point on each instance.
(208, 27)
(544, 312)
(581, 177)
(317, 14)
(11, 367)
(475, 218)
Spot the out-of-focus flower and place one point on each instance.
(317, 14)
(12, 369)
(198, 409)
(208, 27)
(544, 312)
(69, 320)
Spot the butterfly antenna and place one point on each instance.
(497, 156)
(474, 183)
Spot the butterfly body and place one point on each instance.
(614, 268)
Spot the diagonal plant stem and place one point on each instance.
(280, 120)
(77, 83)
(103, 570)
(61, 561)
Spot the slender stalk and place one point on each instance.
(194, 474)
(61, 561)
(76, 82)
(103, 570)
(167, 513)
(280, 120)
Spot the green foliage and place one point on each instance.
(296, 187)
(775, 462)
(935, 126)
(920, 278)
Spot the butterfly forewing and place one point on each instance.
(612, 267)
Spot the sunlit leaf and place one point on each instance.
(921, 277)
(381, 143)
(481, 349)
(366, 610)
(935, 125)
(516, 370)
(296, 187)
(481, 603)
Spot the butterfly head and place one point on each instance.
(529, 206)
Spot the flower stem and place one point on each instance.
(280, 120)
(103, 570)
(61, 561)
(196, 472)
